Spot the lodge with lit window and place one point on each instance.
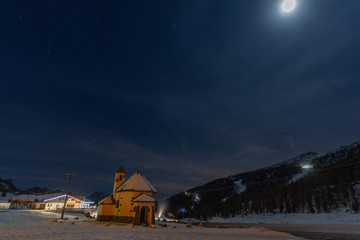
(57, 203)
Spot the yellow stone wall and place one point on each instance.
(106, 209)
(126, 208)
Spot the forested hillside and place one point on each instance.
(309, 183)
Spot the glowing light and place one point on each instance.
(288, 5)
(182, 210)
(46, 200)
(161, 208)
(306, 166)
(196, 198)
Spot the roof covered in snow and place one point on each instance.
(144, 198)
(137, 182)
(108, 200)
(62, 197)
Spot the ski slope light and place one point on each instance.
(306, 166)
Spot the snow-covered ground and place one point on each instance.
(25, 224)
(341, 217)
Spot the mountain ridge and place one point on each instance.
(7, 186)
(266, 180)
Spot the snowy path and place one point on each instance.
(36, 225)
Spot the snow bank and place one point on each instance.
(18, 224)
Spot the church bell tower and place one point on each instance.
(119, 178)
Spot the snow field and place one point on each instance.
(24, 224)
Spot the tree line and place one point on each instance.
(328, 187)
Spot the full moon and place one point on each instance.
(288, 5)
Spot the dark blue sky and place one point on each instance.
(187, 90)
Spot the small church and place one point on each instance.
(132, 201)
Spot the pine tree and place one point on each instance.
(324, 202)
(317, 202)
(355, 205)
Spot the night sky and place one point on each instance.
(189, 91)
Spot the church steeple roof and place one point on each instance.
(121, 170)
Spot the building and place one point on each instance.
(25, 204)
(37, 205)
(4, 205)
(20, 204)
(57, 203)
(132, 201)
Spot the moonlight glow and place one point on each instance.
(288, 5)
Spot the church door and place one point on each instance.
(143, 215)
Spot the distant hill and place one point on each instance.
(310, 182)
(8, 191)
(6, 185)
(40, 190)
(97, 196)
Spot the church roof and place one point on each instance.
(108, 200)
(137, 182)
(121, 170)
(144, 198)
